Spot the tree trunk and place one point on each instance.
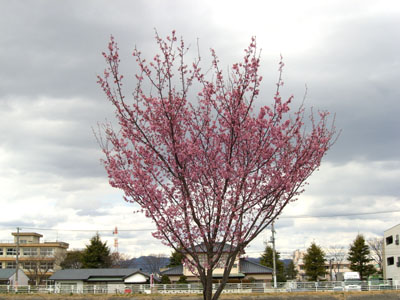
(207, 286)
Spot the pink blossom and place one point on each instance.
(215, 173)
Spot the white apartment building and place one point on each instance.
(391, 253)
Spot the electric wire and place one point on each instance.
(151, 229)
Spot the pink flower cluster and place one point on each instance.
(215, 171)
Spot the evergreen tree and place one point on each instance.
(96, 255)
(175, 259)
(291, 271)
(165, 279)
(359, 257)
(314, 262)
(182, 280)
(267, 260)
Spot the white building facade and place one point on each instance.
(391, 253)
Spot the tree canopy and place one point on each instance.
(96, 255)
(73, 260)
(175, 259)
(267, 260)
(314, 262)
(359, 257)
(198, 157)
(291, 271)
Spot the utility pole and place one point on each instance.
(17, 262)
(273, 254)
(330, 269)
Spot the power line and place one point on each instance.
(340, 215)
(88, 230)
(281, 217)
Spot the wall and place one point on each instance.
(391, 250)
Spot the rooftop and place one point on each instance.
(88, 274)
(27, 234)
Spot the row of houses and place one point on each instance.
(38, 262)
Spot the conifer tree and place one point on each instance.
(175, 259)
(165, 279)
(96, 255)
(267, 260)
(314, 262)
(291, 271)
(359, 257)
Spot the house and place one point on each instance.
(247, 271)
(7, 277)
(37, 259)
(101, 280)
(391, 254)
(243, 270)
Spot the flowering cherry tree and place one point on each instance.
(206, 166)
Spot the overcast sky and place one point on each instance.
(346, 52)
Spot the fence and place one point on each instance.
(290, 287)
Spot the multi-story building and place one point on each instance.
(39, 260)
(333, 266)
(391, 253)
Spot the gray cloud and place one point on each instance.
(50, 53)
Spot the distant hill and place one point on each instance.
(148, 264)
(254, 259)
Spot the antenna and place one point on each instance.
(115, 233)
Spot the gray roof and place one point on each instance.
(249, 267)
(5, 274)
(178, 270)
(245, 267)
(86, 274)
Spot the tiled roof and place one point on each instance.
(249, 267)
(85, 274)
(5, 274)
(178, 271)
(245, 267)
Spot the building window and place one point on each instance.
(29, 251)
(390, 261)
(389, 240)
(1, 251)
(397, 239)
(1, 265)
(46, 251)
(30, 265)
(46, 266)
(11, 265)
(11, 251)
(398, 262)
(23, 241)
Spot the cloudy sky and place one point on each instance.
(51, 180)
